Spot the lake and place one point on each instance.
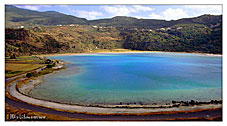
(138, 78)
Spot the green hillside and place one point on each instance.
(130, 22)
(56, 39)
(41, 34)
(16, 17)
(177, 38)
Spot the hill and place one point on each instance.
(177, 38)
(16, 17)
(41, 34)
(60, 39)
(130, 22)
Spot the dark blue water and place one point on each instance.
(134, 77)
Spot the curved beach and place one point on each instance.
(97, 110)
(22, 93)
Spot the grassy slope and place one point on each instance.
(21, 65)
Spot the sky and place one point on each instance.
(166, 12)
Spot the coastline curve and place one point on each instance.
(99, 110)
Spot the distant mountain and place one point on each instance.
(16, 17)
(130, 22)
(199, 34)
(23, 17)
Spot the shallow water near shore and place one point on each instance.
(134, 78)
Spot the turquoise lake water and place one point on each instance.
(133, 77)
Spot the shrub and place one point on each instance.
(32, 74)
(29, 75)
(50, 65)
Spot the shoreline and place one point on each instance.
(101, 110)
(27, 87)
(23, 95)
(128, 51)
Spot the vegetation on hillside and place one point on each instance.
(23, 17)
(53, 32)
(73, 39)
(179, 38)
(17, 17)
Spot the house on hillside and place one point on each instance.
(162, 29)
(178, 28)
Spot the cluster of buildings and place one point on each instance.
(122, 28)
(20, 26)
(168, 28)
(94, 26)
(68, 25)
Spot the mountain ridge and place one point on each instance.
(53, 32)
(16, 17)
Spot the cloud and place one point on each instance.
(30, 7)
(170, 14)
(187, 11)
(122, 10)
(117, 10)
(155, 16)
(142, 8)
(88, 14)
(173, 14)
(196, 10)
(48, 6)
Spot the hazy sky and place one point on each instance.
(167, 12)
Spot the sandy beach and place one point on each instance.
(21, 94)
(122, 51)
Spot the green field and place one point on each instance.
(21, 65)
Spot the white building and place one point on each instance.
(179, 28)
(163, 29)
